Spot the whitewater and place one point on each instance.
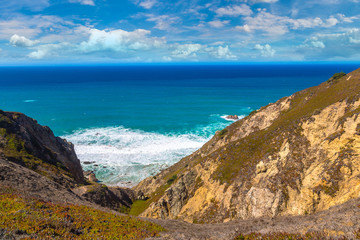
(123, 156)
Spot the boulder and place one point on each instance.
(233, 117)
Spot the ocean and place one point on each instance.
(129, 122)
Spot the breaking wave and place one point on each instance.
(124, 156)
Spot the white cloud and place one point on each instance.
(263, 1)
(353, 40)
(244, 28)
(31, 5)
(162, 22)
(198, 51)
(48, 50)
(345, 19)
(317, 44)
(167, 59)
(186, 50)
(35, 26)
(218, 23)
(303, 22)
(11, 27)
(234, 11)
(147, 4)
(21, 41)
(267, 22)
(279, 25)
(217, 43)
(331, 22)
(351, 36)
(341, 45)
(120, 41)
(221, 52)
(313, 42)
(265, 50)
(83, 2)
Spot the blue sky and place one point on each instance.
(142, 31)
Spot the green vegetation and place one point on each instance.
(42, 220)
(223, 132)
(336, 77)
(138, 207)
(172, 179)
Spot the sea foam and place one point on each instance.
(123, 156)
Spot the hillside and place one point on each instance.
(44, 195)
(296, 156)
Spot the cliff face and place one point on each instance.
(35, 162)
(296, 156)
(24, 141)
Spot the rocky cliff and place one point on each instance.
(24, 141)
(47, 167)
(296, 156)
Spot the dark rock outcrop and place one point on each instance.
(24, 141)
(115, 198)
(38, 164)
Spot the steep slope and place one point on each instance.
(25, 142)
(296, 156)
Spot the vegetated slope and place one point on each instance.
(38, 174)
(296, 156)
(26, 218)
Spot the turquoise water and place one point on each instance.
(129, 122)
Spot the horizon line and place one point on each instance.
(180, 64)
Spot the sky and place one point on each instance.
(178, 31)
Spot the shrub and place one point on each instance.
(172, 179)
(336, 77)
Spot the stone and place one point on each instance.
(92, 177)
(261, 167)
(233, 117)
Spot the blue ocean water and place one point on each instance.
(129, 122)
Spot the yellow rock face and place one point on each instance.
(296, 156)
